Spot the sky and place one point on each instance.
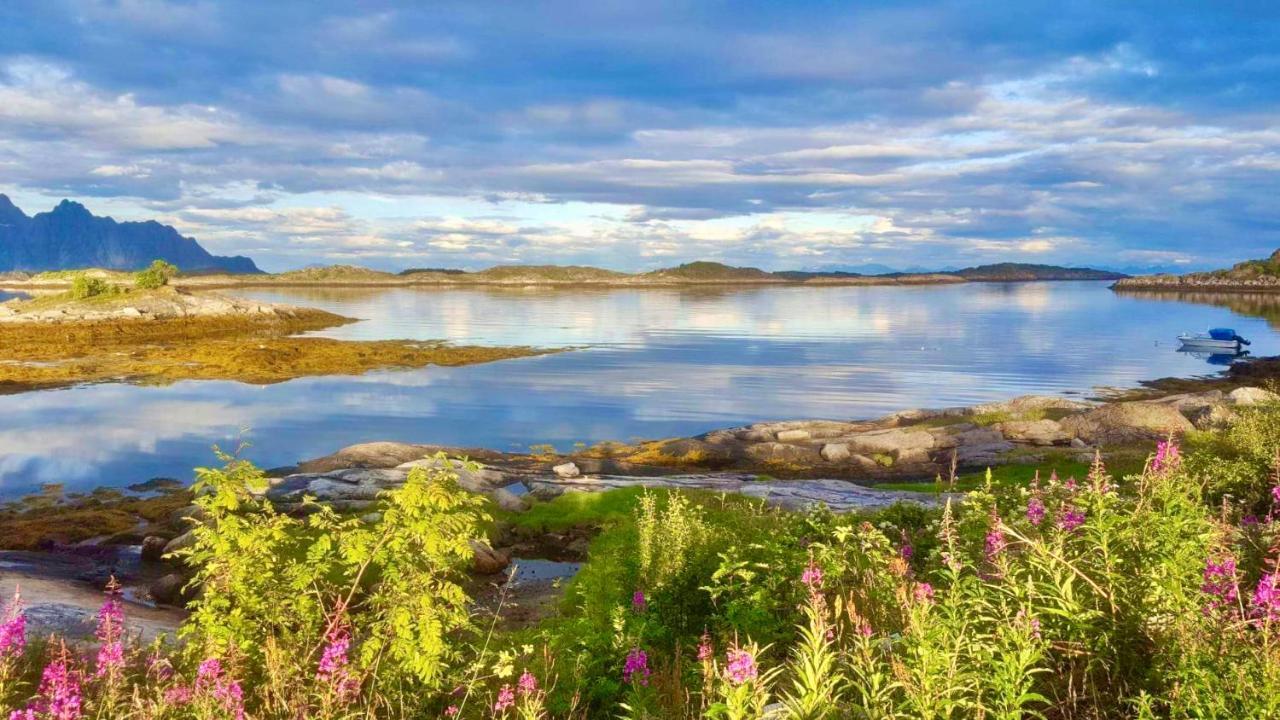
(634, 135)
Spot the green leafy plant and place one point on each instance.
(274, 586)
(84, 287)
(156, 275)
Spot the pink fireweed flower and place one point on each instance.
(923, 592)
(110, 659)
(1275, 495)
(704, 648)
(179, 695)
(638, 601)
(812, 577)
(1220, 584)
(110, 619)
(60, 695)
(13, 628)
(1032, 624)
(210, 682)
(1266, 598)
(1035, 510)
(506, 698)
(528, 684)
(1167, 458)
(1070, 518)
(110, 634)
(209, 674)
(333, 669)
(27, 714)
(452, 711)
(995, 541)
(334, 658)
(740, 666)
(232, 698)
(906, 552)
(636, 668)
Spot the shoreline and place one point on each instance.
(855, 466)
(1191, 286)
(1198, 283)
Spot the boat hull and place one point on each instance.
(1210, 344)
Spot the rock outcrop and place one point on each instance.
(1127, 422)
(910, 445)
(162, 304)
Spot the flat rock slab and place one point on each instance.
(839, 495)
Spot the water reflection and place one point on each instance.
(1252, 304)
(1222, 359)
(658, 362)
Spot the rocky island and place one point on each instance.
(1250, 276)
(167, 334)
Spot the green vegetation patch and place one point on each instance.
(577, 509)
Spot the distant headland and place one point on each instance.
(1249, 276)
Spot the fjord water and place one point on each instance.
(650, 363)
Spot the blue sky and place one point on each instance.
(640, 134)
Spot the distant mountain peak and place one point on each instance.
(70, 237)
(70, 205)
(7, 207)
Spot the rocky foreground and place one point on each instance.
(794, 465)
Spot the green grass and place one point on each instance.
(1019, 475)
(574, 509)
(608, 508)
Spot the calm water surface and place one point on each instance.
(654, 363)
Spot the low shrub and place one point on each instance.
(84, 287)
(154, 276)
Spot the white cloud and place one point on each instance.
(37, 97)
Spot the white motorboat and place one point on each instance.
(1218, 339)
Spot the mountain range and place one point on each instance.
(69, 236)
